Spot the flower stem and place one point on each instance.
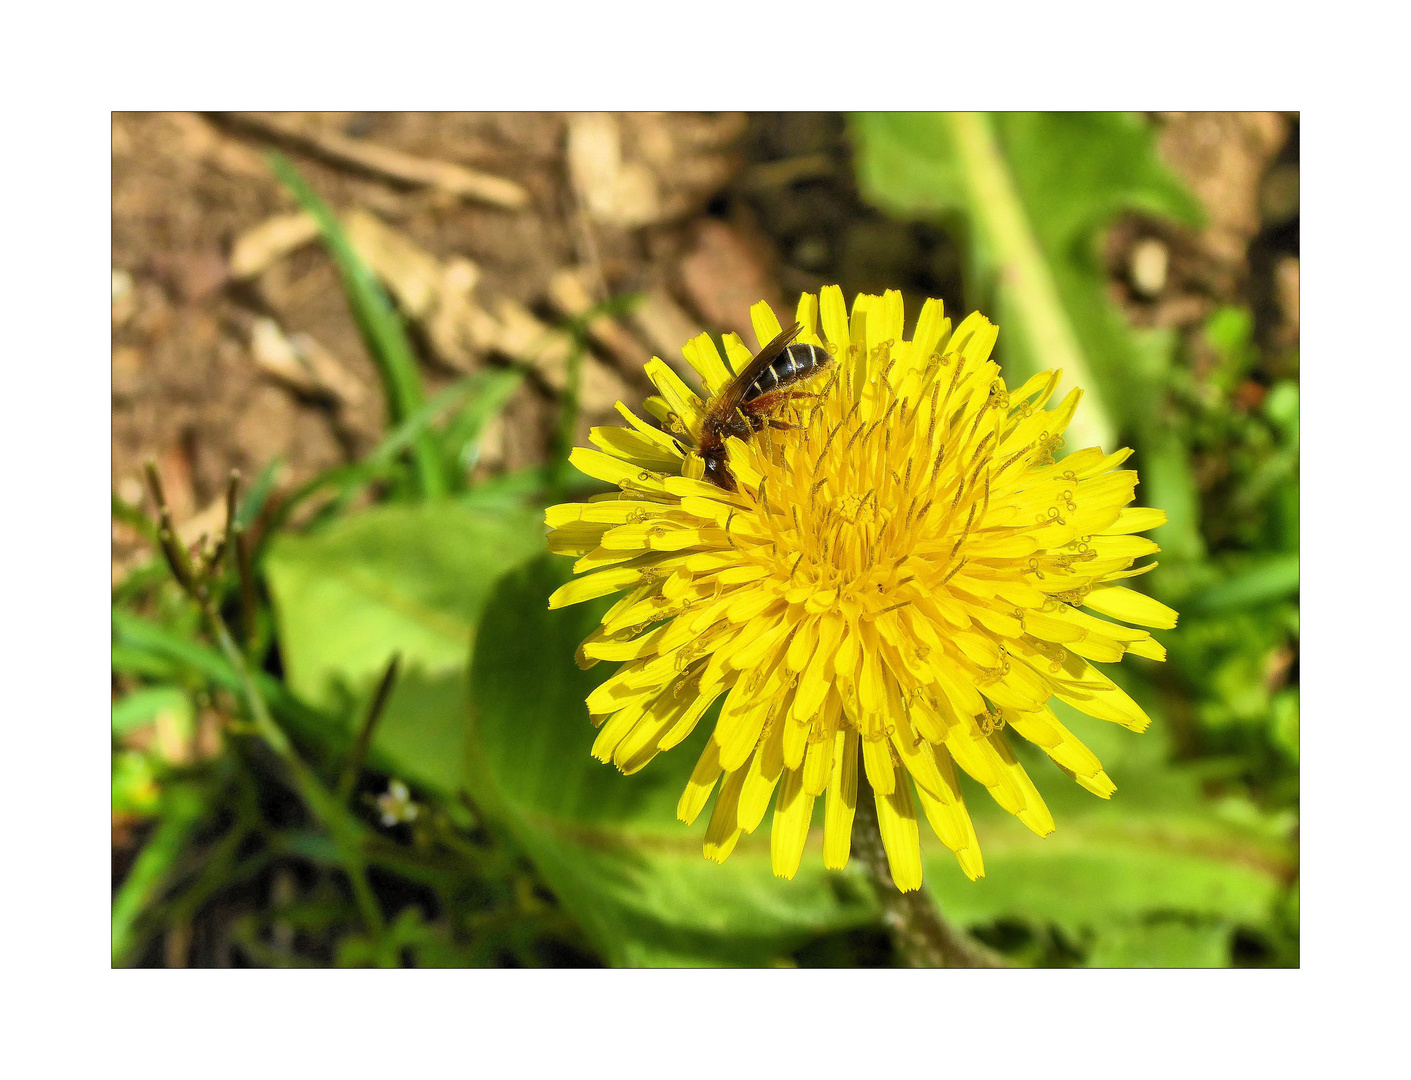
(1024, 276)
(923, 937)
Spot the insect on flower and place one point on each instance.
(895, 591)
(743, 406)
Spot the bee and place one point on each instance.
(743, 407)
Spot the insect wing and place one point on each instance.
(733, 394)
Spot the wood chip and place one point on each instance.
(666, 327)
(329, 372)
(411, 272)
(208, 522)
(524, 336)
(276, 356)
(452, 179)
(569, 293)
(724, 274)
(440, 296)
(124, 297)
(437, 294)
(613, 191)
(304, 365)
(260, 247)
(786, 171)
(203, 141)
(546, 349)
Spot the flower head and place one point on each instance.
(905, 571)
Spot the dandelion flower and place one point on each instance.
(905, 573)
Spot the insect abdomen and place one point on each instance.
(794, 363)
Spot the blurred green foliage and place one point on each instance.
(511, 845)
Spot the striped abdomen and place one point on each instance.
(794, 363)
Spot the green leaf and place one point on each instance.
(610, 845)
(182, 808)
(1088, 875)
(1283, 724)
(142, 647)
(1030, 193)
(381, 327)
(1162, 943)
(1262, 580)
(1157, 849)
(400, 578)
(136, 788)
(143, 706)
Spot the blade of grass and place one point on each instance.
(568, 419)
(142, 706)
(183, 807)
(254, 501)
(343, 828)
(461, 440)
(133, 515)
(529, 484)
(143, 647)
(354, 764)
(1024, 275)
(380, 326)
(571, 405)
(1263, 581)
(381, 462)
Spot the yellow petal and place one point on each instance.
(1135, 519)
(1149, 648)
(699, 787)
(1044, 730)
(742, 720)
(618, 727)
(896, 816)
(929, 328)
(737, 352)
(638, 448)
(974, 338)
(877, 757)
(806, 315)
(834, 314)
(792, 816)
(813, 685)
(701, 700)
(818, 765)
(915, 754)
(842, 799)
(1033, 813)
(1126, 604)
(643, 744)
(612, 470)
(679, 397)
(1110, 703)
(796, 735)
(760, 778)
(704, 357)
(765, 323)
(945, 809)
(724, 829)
(593, 586)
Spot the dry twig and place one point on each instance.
(385, 162)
